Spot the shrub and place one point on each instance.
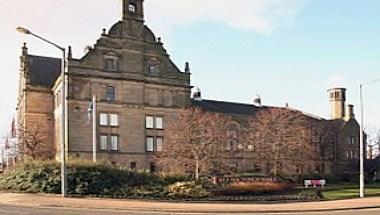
(86, 178)
(249, 188)
(190, 190)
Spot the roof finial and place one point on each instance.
(257, 101)
(187, 67)
(70, 53)
(24, 50)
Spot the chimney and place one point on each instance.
(350, 112)
(337, 103)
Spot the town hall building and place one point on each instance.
(139, 90)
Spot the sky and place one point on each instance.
(286, 51)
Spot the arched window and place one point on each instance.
(132, 8)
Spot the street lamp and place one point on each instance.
(64, 107)
(362, 136)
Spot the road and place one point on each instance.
(13, 210)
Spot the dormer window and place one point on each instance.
(132, 8)
(110, 63)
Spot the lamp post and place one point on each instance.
(64, 107)
(362, 136)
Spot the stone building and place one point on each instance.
(138, 89)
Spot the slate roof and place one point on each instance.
(226, 107)
(43, 71)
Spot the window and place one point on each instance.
(159, 143)
(250, 148)
(114, 142)
(159, 124)
(103, 142)
(153, 69)
(152, 167)
(337, 95)
(110, 93)
(352, 140)
(132, 165)
(150, 144)
(110, 63)
(132, 8)
(149, 122)
(109, 142)
(114, 120)
(103, 119)
(106, 119)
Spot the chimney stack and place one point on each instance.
(350, 112)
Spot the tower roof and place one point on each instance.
(43, 71)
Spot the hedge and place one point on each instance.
(86, 178)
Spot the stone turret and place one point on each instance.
(337, 103)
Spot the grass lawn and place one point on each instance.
(336, 192)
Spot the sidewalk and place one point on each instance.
(51, 201)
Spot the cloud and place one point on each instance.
(262, 16)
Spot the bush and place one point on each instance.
(249, 188)
(190, 190)
(86, 178)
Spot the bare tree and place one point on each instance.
(281, 138)
(193, 142)
(32, 143)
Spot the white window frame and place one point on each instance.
(149, 122)
(103, 143)
(149, 145)
(114, 142)
(113, 120)
(159, 122)
(103, 119)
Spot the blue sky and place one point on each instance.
(288, 51)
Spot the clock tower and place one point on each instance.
(133, 10)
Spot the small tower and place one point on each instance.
(133, 10)
(337, 102)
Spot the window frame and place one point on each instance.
(147, 146)
(149, 125)
(110, 93)
(111, 143)
(101, 136)
(111, 118)
(156, 124)
(111, 63)
(101, 119)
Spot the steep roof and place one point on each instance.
(226, 107)
(43, 71)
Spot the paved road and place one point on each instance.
(13, 210)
